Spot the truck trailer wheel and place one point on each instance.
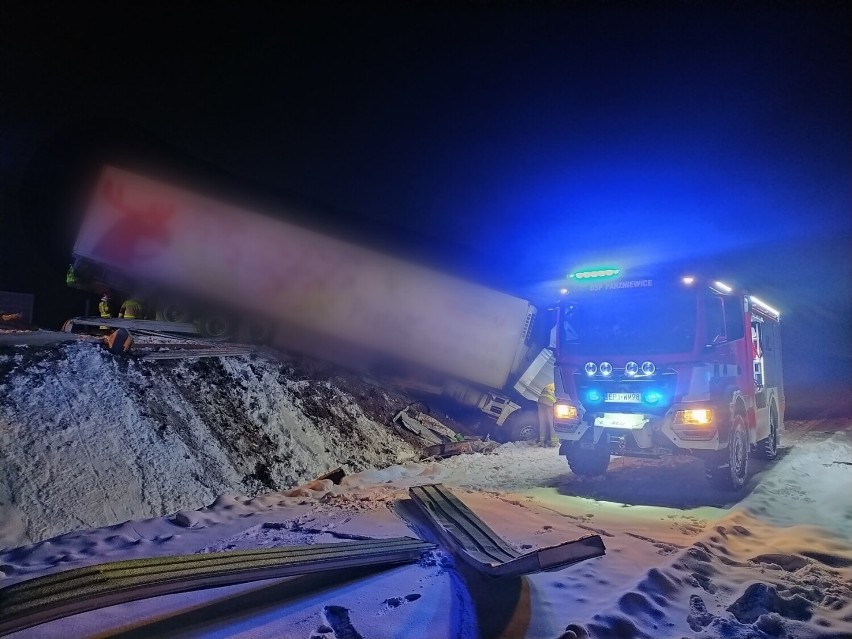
(217, 326)
(587, 459)
(173, 312)
(729, 469)
(522, 426)
(768, 448)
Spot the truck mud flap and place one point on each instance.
(70, 592)
(479, 546)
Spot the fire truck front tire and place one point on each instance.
(589, 462)
(728, 469)
(768, 448)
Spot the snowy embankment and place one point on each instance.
(87, 439)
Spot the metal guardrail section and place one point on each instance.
(483, 549)
(70, 592)
(131, 324)
(210, 351)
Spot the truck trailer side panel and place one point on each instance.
(179, 240)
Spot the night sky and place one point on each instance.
(506, 143)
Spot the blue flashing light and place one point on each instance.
(653, 397)
(593, 396)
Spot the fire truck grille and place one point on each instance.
(619, 393)
(696, 434)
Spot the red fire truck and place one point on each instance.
(651, 366)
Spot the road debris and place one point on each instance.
(475, 543)
(69, 592)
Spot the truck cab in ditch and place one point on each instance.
(653, 366)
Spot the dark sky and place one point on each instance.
(508, 143)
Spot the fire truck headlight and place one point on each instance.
(648, 368)
(591, 368)
(699, 416)
(565, 411)
(606, 369)
(631, 368)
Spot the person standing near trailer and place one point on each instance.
(545, 415)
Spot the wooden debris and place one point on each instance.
(413, 425)
(425, 426)
(468, 446)
(119, 342)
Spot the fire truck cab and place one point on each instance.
(653, 366)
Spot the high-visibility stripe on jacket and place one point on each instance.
(131, 309)
(103, 308)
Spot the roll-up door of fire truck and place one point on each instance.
(772, 354)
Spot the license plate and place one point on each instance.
(621, 420)
(624, 398)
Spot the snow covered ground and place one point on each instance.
(682, 560)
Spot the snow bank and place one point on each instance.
(88, 440)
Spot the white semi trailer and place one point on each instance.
(231, 270)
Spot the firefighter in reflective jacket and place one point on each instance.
(131, 309)
(545, 415)
(103, 309)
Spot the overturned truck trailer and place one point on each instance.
(191, 257)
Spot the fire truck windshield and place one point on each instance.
(624, 322)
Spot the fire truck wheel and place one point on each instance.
(729, 470)
(589, 462)
(768, 448)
